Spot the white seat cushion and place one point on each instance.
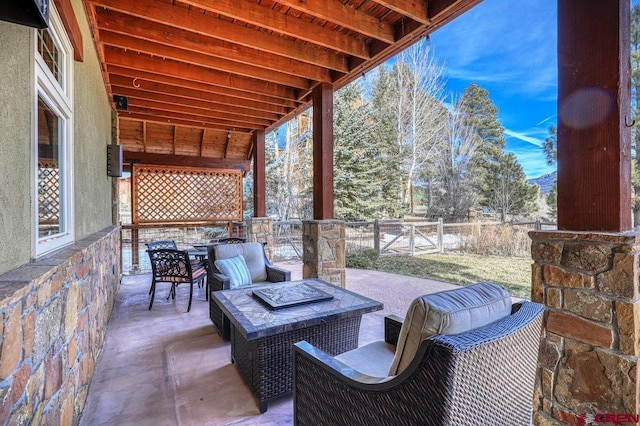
(448, 312)
(373, 359)
(253, 254)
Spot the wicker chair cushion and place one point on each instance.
(236, 269)
(448, 312)
(253, 254)
(373, 359)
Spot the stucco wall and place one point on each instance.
(15, 145)
(92, 133)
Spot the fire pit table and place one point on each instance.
(266, 320)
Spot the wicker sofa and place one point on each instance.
(485, 375)
(260, 269)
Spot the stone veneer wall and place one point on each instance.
(54, 316)
(323, 250)
(261, 230)
(589, 353)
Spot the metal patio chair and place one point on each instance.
(174, 267)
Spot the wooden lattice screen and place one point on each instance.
(48, 192)
(185, 194)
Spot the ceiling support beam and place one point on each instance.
(181, 17)
(179, 54)
(273, 20)
(147, 118)
(345, 16)
(416, 10)
(122, 76)
(185, 160)
(179, 102)
(323, 151)
(108, 20)
(259, 175)
(172, 68)
(594, 141)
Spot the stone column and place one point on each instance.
(260, 229)
(323, 250)
(590, 347)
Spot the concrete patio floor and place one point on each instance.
(169, 367)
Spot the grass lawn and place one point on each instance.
(514, 273)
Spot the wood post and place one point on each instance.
(323, 151)
(594, 143)
(259, 175)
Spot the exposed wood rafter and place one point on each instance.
(203, 76)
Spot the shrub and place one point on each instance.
(499, 240)
(362, 259)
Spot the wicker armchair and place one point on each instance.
(257, 262)
(484, 376)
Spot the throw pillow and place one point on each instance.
(236, 269)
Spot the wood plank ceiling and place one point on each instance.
(200, 76)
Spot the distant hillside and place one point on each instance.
(545, 182)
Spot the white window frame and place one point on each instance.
(58, 96)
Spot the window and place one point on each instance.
(53, 138)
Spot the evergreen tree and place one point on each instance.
(550, 146)
(552, 201)
(550, 149)
(357, 162)
(478, 112)
(385, 135)
(508, 189)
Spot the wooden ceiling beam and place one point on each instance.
(444, 11)
(195, 112)
(258, 109)
(273, 20)
(189, 57)
(407, 34)
(413, 9)
(185, 160)
(132, 93)
(143, 62)
(115, 22)
(181, 17)
(160, 109)
(345, 16)
(70, 23)
(138, 78)
(137, 116)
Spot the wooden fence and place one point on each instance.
(386, 237)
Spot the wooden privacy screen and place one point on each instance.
(48, 192)
(185, 194)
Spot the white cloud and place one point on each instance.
(524, 137)
(501, 42)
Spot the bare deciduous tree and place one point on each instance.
(456, 163)
(420, 114)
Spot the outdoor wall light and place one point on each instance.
(114, 160)
(121, 102)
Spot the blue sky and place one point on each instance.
(510, 49)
